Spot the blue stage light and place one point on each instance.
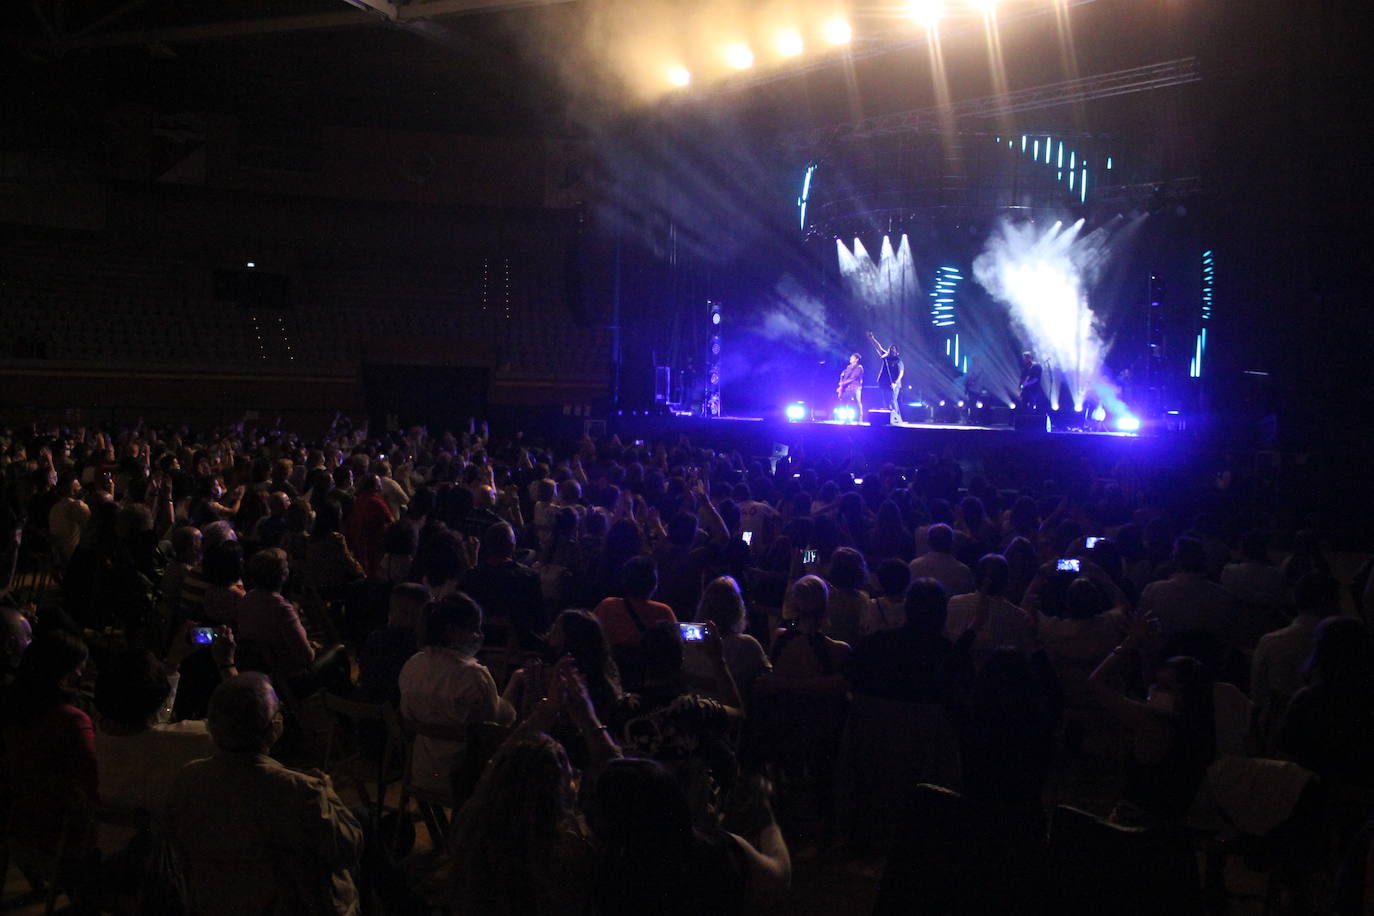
(1099, 413)
(795, 412)
(1127, 423)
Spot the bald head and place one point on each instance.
(15, 636)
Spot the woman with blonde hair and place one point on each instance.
(722, 606)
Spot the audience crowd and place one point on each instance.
(627, 679)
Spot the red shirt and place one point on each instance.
(57, 749)
(367, 529)
(619, 626)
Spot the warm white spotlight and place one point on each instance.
(789, 43)
(837, 31)
(679, 76)
(986, 7)
(738, 56)
(926, 12)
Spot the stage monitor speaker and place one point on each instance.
(879, 417)
(1031, 421)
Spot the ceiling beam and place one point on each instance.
(366, 12)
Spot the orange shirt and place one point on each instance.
(620, 628)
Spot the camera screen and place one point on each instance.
(692, 632)
(1068, 566)
(202, 636)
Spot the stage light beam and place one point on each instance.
(679, 76)
(795, 412)
(926, 12)
(738, 56)
(1128, 424)
(789, 43)
(837, 31)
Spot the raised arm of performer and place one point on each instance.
(882, 351)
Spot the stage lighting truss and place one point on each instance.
(711, 405)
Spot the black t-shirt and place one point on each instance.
(709, 876)
(892, 369)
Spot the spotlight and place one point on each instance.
(978, 405)
(715, 318)
(679, 76)
(738, 56)
(959, 404)
(789, 43)
(1127, 423)
(837, 31)
(1099, 413)
(942, 403)
(926, 12)
(845, 414)
(986, 7)
(795, 412)
(251, 264)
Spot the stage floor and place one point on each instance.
(963, 427)
(1031, 455)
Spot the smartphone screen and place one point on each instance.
(202, 636)
(692, 632)
(1068, 566)
(809, 555)
(1090, 543)
(747, 537)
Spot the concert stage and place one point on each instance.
(1030, 456)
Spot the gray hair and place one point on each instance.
(241, 713)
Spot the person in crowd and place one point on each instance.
(626, 618)
(914, 663)
(444, 689)
(186, 556)
(575, 634)
(66, 519)
(503, 587)
(1172, 732)
(255, 836)
(521, 847)
(1006, 737)
(15, 635)
(665, 721)
(269, 627)
(330, 566)
(887, 609)
(50, 745)
(402, 538)
(1004, 624)
(1254, 580)
(1307, 556)
(653, 859)
(1276, 669)
(802, 654)
(845, 606)
(138, 752)
(222, 574)
(386, 651)
(1329, 724)
(722, 607)
(1187, 600)
(681, 562)
(365, 526)
(891, 537)
(938, 562)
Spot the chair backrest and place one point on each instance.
(1100, 867)
(954, 855)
